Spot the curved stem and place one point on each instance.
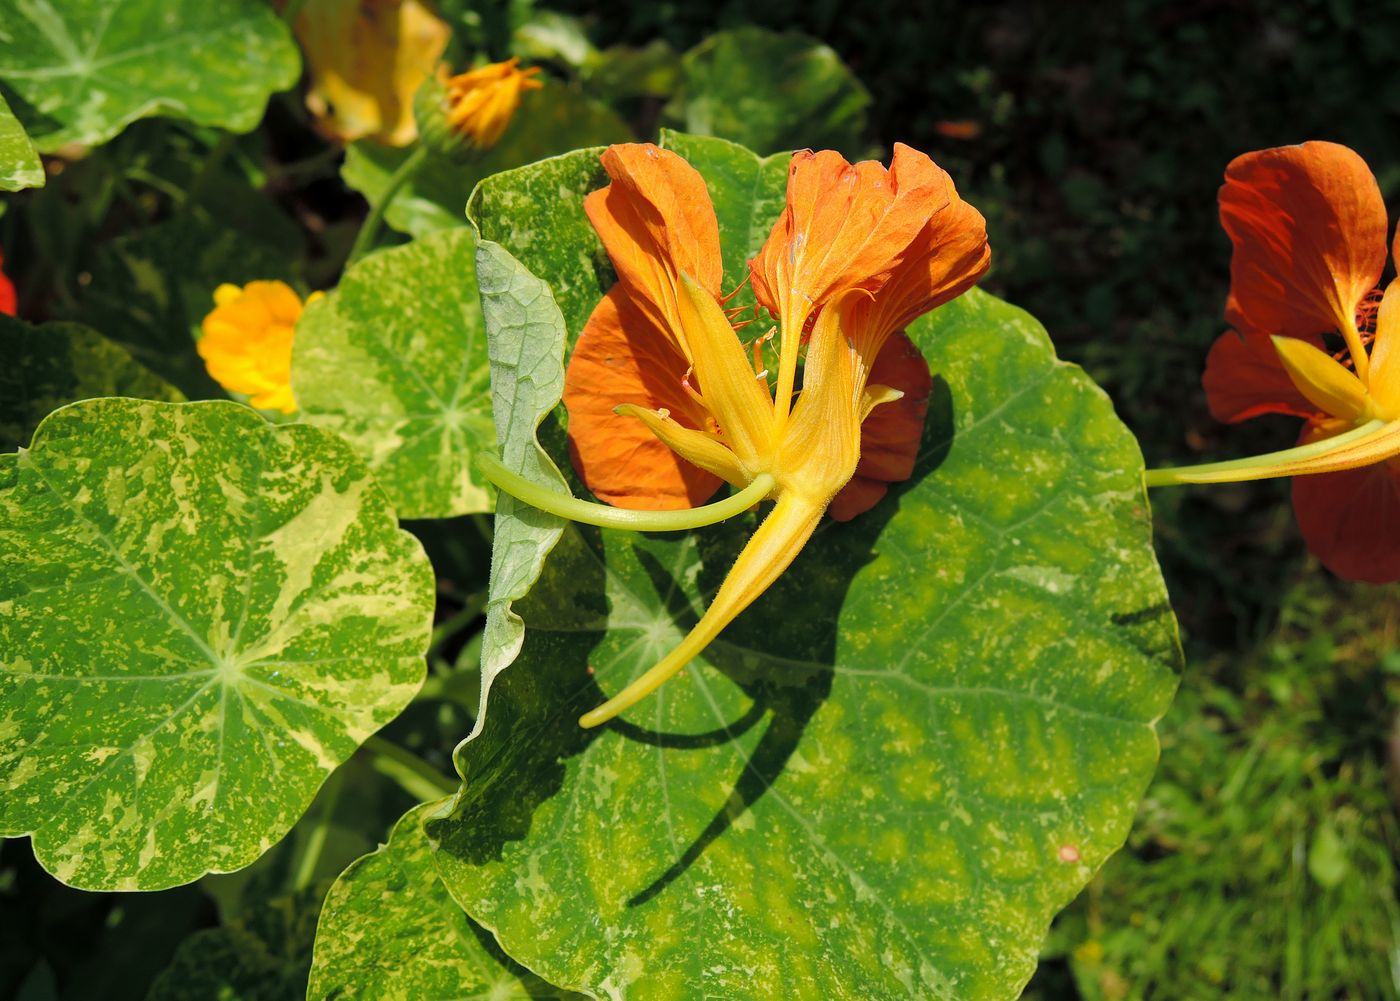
(607, 516)
(1357, 447)
(370, 229)
(316, 839)
(414, 775)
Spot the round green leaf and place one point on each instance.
(394, 360)
(59, 363)
(770, 92)
(20, 166)
(888, 775)
(550, 121)
(201, 616)
(389, 930)
(85, 69)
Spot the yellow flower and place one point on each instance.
(247, 341)
(480, 103)
(366, 60)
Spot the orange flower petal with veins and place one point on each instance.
(1309, 229)
(656, 222)
(1244, 378)
(621, 357)
(844, 226)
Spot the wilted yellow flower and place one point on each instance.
(247, 342)
(366, 59)
(480, 103)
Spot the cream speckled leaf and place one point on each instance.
(58, 363)
(389, 930)
(201, 616)
(20, 166)
(85, 69)
(394, 360)
(525, 337)
(551, 120)
(888, 775)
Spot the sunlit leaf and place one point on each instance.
(889, 774)
(394, 360)
(85, 69)
(19, 162)
(59, 363)
(770, 92)
(201, 616)
(526, 341)
(550, 121)
(389, 930)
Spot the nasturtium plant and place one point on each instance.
(550, 121)
(59, 363)
(203, 616)
(871, 786)
(85, 70)
(394, 361)
(769, 91)
(389, 930)
(19, 161)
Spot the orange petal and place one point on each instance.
(1309, 228)
(1351, 520)
(949, 256)
(1244, 378)
(656, 221)
(622, 358)
(890, 436)
(844, 226)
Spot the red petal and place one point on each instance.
(890, 436)
(1244, 379)
(9, 302)
(622, 358)
(1351, 521)
(1309, 229)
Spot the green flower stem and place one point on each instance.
(606, 516)
(365, 237)
(1255, 467)
(316, 839)
(414, 775)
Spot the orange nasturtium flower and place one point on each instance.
(480, 103)
(1309, 232)
(366, 59)
(9, 302)
(247, 341)
(666, 402)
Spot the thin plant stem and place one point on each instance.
(207, 169)
(606, 516)
(316, 839)
(365, 237)
(1266, 466)
(444, 631)
(414, 775)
